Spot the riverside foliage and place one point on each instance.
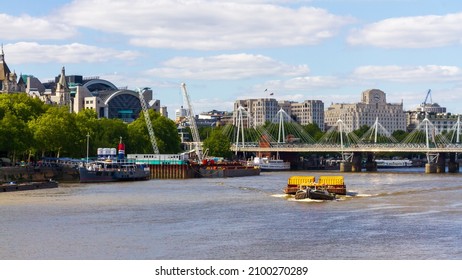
(30, 129)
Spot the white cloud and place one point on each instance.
(26, 27)
(30, 52)
(205, 24)
(304, 84)
(411, 32)
(407, 74)
(316, 82)
(225, 67)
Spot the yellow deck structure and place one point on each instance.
(333, 184)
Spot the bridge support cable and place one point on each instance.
(343, 137)
(458, 130)
(240, 127)
(341, 141)
(281, 131)
(285, 130)
(378, 134)
(455, 132)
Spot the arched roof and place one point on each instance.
(123, 104)
(114, 94)
(96, 85)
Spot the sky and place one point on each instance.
(294, 50)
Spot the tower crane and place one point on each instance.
(192, 123)
(144, 107)
(426, 98)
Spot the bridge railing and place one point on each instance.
(359, 147)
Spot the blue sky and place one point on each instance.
(330, 50)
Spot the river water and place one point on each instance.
(386, 215)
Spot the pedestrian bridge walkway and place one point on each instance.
(360, 147)
(285, 135)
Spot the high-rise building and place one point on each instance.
(308, 112)
(373, 106)
(181, 114)
(259, 111)
(442, 122)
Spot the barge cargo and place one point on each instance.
(333, 184)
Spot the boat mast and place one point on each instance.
(88, 144)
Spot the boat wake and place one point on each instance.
(281, 195)
(305, 200)
(361, 195)
(419, 191)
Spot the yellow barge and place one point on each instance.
(333, 184)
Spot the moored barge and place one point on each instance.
(26, 186)
(179, 166)
(227, 169)
(112, 171)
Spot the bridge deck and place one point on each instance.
(375, 148)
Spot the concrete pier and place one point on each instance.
(430, 168)
(345, 166)
(441, 163)
(371, 165)
(453, 166)
(357, 162)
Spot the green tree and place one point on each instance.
(166, 132)
(399, 135)
(361, 131)
(168, 141)
(204, 132)
(15, 136)
(55, 131)
(88, 124)
(22, 106)
(108, 133)
(218, 144)
(313, 130)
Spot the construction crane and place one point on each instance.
(426, 98)
(144, 107)
(192, 124)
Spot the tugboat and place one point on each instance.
(314, 193)
(108, 168)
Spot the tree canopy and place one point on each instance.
(218, 144)
(28, 127)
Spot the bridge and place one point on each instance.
(358, 148)
(284, 135)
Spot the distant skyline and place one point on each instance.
(296, 50)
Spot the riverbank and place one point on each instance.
(38, 173)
